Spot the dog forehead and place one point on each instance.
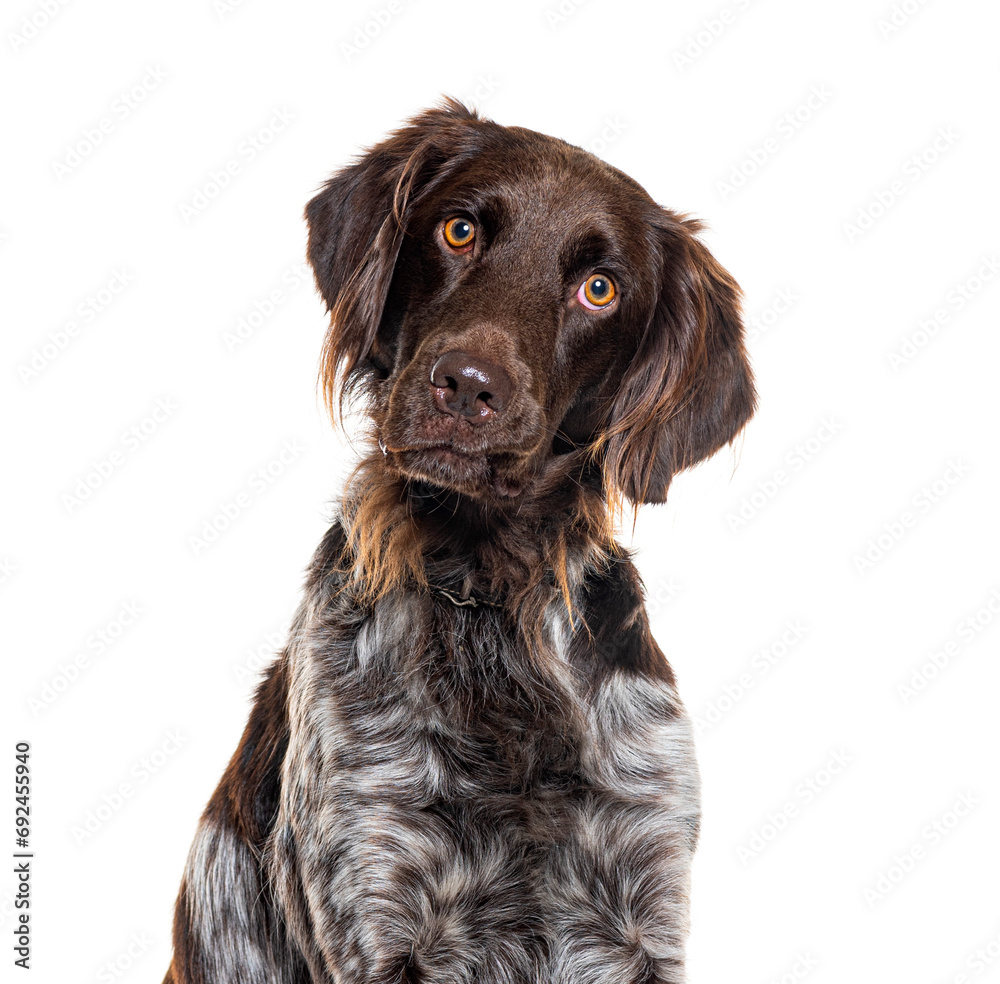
(533, 167)
(538, 187)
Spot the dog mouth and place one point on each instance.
(474, 473)
(487, 460)
(446, 457)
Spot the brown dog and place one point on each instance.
(470, 763)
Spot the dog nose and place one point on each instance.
(470, 386)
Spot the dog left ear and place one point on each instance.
(356, 226)
(689, 390)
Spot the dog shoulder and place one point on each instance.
(248, 794)
(327, 567)
(223, 896)
(616, 638)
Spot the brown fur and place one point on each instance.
(470, 763)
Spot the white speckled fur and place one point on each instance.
(590, 890)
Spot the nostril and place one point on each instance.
(458, 380)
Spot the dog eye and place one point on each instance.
(459, 232)
(596, 292)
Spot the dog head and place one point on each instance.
(517, 311)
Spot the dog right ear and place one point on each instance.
(690, 389)
(356, 226)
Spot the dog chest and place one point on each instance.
(446, 796)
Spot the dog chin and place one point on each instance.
(470, 474)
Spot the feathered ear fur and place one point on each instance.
(356, 225)
(689, 389)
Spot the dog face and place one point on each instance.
(515, 309)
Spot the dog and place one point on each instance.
(471, 763)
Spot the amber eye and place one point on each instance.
(459, 232)
(596, 292)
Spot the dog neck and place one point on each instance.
(402, 533)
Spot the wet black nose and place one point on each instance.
(470, 386)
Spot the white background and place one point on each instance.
(789, 650)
